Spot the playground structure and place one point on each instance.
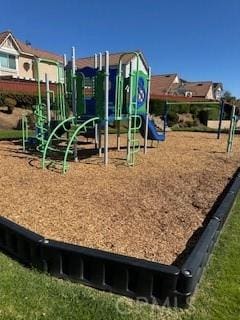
(99, 96)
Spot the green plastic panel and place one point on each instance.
(80, 95)
(100, 94)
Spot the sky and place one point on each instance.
(199, 40)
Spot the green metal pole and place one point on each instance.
(106, 107)
(221, 112)
(74, 97)
(231, 130)
(23, 133)
(147, 111)
(38, 81)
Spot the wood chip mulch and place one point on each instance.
(149, 211)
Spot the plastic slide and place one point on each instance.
(153, 134)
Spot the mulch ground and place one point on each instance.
(148, 211)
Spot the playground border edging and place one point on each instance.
(135, 278)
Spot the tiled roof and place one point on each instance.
(165, 97)
(3, 36)
(113, 60)
(161, 84)
(30, 50)
(198, 89)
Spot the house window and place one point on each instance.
(7, 61)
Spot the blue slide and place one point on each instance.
(153, 134)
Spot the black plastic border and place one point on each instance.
(135, 278)
(194, 265)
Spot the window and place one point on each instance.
(7, 61)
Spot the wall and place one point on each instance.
(23, 71)
(49, 69)
(22, 86)
(209, 95)
(225, 124)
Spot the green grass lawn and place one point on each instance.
(27, 294)
(13, 134)
(10, 134)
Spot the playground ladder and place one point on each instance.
(41, 123)
(133, 142)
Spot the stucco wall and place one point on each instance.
(210, 94)
(49, 69)
(23, 67)
(8, 72)
(225, 124)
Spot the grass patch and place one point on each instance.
(27, 294)
(12, 134)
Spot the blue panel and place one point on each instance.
(90, 102)
(88, 72)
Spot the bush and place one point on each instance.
(156, 107)
(213, 114)
(203, 116)
(172, 118)
(10, 103)
(22, 100)
(179, 108)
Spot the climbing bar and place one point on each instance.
(83, 126)
(53, 133)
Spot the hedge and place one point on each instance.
(157, 108)
(25, 101)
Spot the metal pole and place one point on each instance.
(38, 81)
(165, 117)
(118, 135)
(23, 133)
(147, 111)
(99, 140)
(220, 119)
(106, 107)
(64, 60)
(100, 61)
(231, 130)
(130, 115)
(96, 135)
(48, 100)
(95, 61)
(64, 71)
(74, 96)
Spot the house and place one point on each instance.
(18, 63)
(161, 84)
(173, 86)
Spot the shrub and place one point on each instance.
(179, 108)
(172, 118)
(156, 107)
(203, 116)
(10, 103)
(213, 113)
(22, 100)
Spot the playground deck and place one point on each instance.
(149, 211)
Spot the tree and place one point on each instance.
(228, 97)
